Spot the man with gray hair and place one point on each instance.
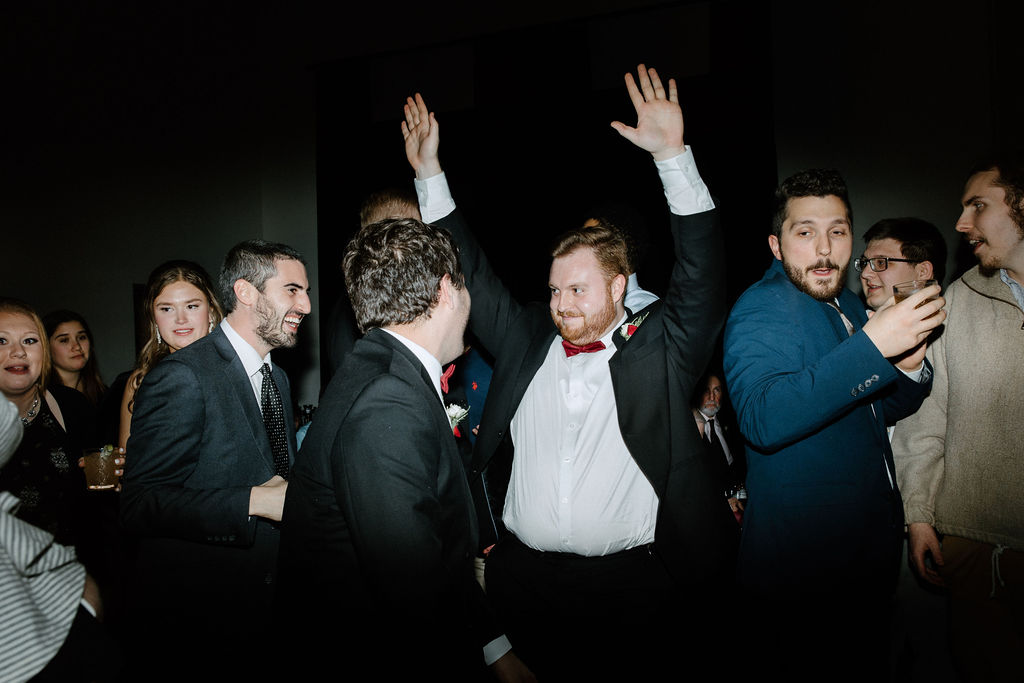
(211, 446)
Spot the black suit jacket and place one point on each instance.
(653, 374)
(197, 446)
(379, 530)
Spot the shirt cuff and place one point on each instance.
(684, 189)
(496, 649)
(921, 375)
(434, 197)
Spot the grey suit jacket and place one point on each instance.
(197, 447)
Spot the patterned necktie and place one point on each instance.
(273, 420)
(572, 349)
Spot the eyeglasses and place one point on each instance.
(878, 263)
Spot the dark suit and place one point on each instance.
(197, 446)
(653, 373)
(379, 537)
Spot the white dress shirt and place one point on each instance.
(636, 297)
(574, 486)
(250, 358)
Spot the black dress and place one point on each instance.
(44, 473)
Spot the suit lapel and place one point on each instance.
(234, 376)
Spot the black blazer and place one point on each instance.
(380, 534)
(197, 446)
(653, 373)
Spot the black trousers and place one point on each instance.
(571, 617)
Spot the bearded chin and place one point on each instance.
(593, 326)
(799, 278)
(269, 328)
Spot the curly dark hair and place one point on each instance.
(393, 271)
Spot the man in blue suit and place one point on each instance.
(806, 369)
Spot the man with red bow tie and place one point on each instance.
(607, 509)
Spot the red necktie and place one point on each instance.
(572, 349)
(444, 378)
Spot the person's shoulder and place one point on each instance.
(772, 289)
(69, 399)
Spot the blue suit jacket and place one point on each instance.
(812, 403)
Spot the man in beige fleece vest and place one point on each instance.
(959, 458)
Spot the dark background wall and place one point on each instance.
(134, 134)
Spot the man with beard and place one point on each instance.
(958, 459)
(725, 444)
(612, 540)
(204, 486)
(805, 369)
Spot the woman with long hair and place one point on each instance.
(73, 354)
(181, 307)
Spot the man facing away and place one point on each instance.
(806, 369)
(211, 444)
(603, 509)
(958, 459)
(377, 552)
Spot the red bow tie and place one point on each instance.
(444, 378)
(572, 349)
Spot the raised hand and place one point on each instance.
(659, 120)
(422, 138)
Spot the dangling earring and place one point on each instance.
(158, 339)
(211, 324)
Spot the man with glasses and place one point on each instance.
(898, 250)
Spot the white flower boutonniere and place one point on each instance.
(456, 414)
(629, 328)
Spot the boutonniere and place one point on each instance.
(629, 328)
(456, 414)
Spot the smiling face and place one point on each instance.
(878, 286)
(815, 245)
(584, 303)
(986, 224)
(69, 347)
(21, 354)
(182, 314)
(282, 304)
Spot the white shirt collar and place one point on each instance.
(250, 358)
(431, 364)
